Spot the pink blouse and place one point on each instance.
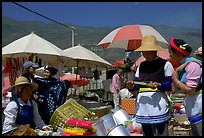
(193, 73)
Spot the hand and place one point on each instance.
(35, 96)
(157, 85)
(153, 85)
(130, 84)
(46, 128)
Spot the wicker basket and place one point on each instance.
(70, 109)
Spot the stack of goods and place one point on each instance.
(76, 127)
(179, 124)
(70, 109)
(23, 130)
(133, 127)
(179, 108)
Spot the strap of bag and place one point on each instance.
(182, 67)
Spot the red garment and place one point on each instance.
(8, 67)
(30, 58)
(178, 106)
(175, 64)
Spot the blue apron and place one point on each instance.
(25, 114)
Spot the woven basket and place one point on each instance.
(70, 109)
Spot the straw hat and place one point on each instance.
(149, 43)
(22, 81)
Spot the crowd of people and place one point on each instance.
(153, 105)
(35, 99)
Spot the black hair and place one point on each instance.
(52, 70)
(179, 42)
(171, 49)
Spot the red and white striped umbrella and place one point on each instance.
(129, 37)
(75, 79)
(119, 63)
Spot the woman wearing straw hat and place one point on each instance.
(188, 78)
(22, 110)
(152, 102)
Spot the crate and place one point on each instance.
(129, 104)
(70, 109)
(180, 131)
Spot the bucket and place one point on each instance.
(109, 121)
(118, 130)
(121, 116)
(100, 128)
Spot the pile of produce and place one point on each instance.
(22, 130)
(76, 127)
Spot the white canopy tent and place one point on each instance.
(85, 58)
(35, 45)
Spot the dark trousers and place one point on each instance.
(160, 129)
(196, 128)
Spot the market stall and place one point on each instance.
(73, 119)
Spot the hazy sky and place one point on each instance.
(110, 14)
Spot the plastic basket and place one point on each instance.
(70, 109)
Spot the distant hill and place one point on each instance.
(88, 37)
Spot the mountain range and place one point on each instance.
(87, 36)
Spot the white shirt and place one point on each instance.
(124, 93)
(11, 111)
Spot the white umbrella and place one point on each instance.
(85, 58)
(33, 44)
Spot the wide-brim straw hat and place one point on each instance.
(22, 81)
(149, 43)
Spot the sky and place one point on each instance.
(109, 14)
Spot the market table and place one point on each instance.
(101, 111)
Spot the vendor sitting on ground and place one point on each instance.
(22, 110)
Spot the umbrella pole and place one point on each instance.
(60, 59)
(76, 73)
(77, 70)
